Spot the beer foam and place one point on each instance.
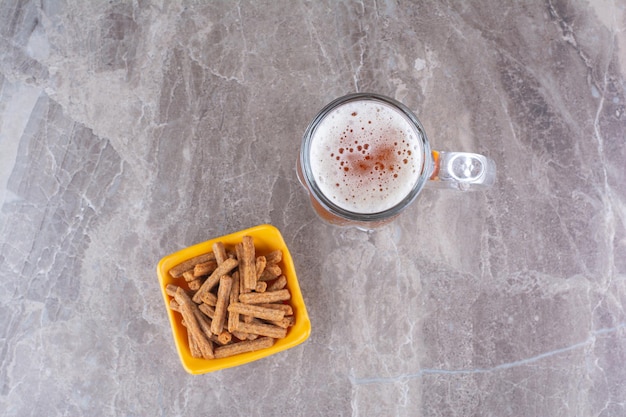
(366, 156)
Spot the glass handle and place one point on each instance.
(462, 171)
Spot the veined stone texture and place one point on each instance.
(130, 130)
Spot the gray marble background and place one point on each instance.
(129, 130)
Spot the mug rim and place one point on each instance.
(425, 168)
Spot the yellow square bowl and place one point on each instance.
(267, 238)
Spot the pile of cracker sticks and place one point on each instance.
(236, 301)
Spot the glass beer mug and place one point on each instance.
(365, 158)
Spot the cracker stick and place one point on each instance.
(259, 289)
(215, 339)
(193, 345)
(192, 281)
(256, 311)
(270, 273)
(279, 306)
(186, 310)
(225, 337)
(239, 335)
(247, 267)
(220, 252)
(239, 251)
(189, 264)
(207, 310)
(274, 257)
(266, 297)
(223, 269)
(275, 270)
(279, 284)
(285, 322)
(209, 298)
(261, 286)
(170, 289)
(233, 317)
(260, 265)
(262, 329)
(243, 347)
(239, 254)
(203, 320)
(204, 268)
(188, 275)
(223, 298)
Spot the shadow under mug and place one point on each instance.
(366, 157)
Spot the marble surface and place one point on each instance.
(129, 130)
